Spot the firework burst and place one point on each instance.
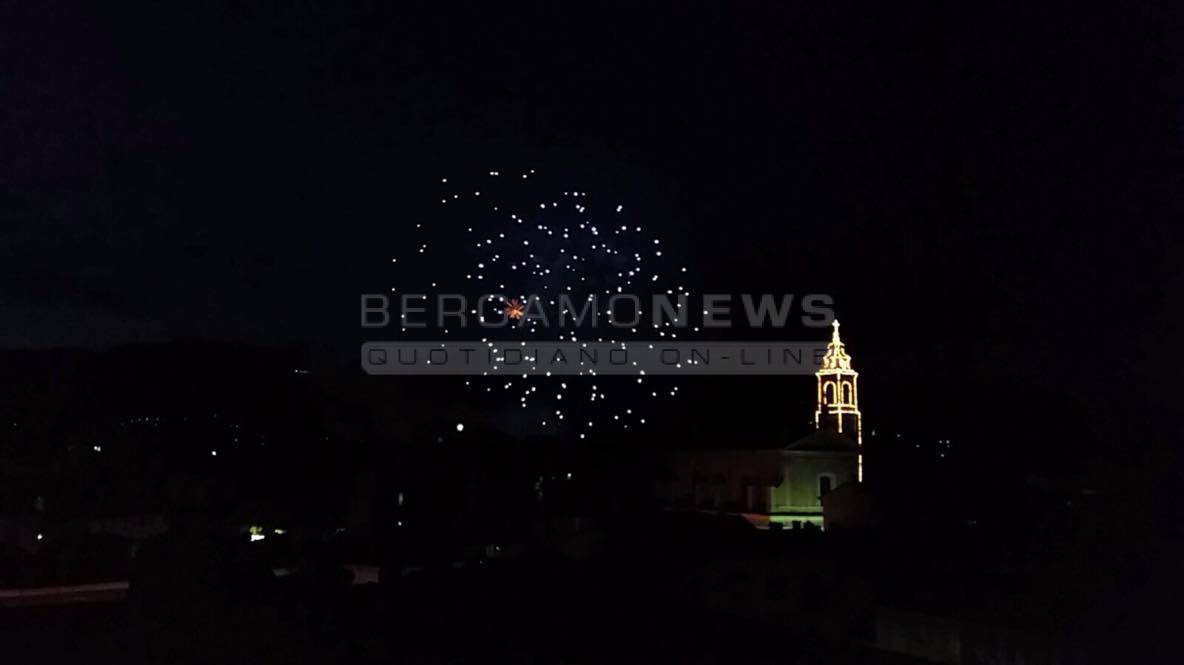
(529, 249)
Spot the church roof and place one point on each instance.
(824, 440)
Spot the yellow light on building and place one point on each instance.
(838, 394)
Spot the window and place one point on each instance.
(826, 482)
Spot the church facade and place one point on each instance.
(781, 485)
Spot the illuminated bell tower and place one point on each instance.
(838, 395)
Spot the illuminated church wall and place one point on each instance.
(799, 490)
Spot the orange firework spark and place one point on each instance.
(515, 309)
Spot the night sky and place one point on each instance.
(991, 194)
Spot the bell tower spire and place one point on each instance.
(838, 394)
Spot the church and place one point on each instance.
(781, 487)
